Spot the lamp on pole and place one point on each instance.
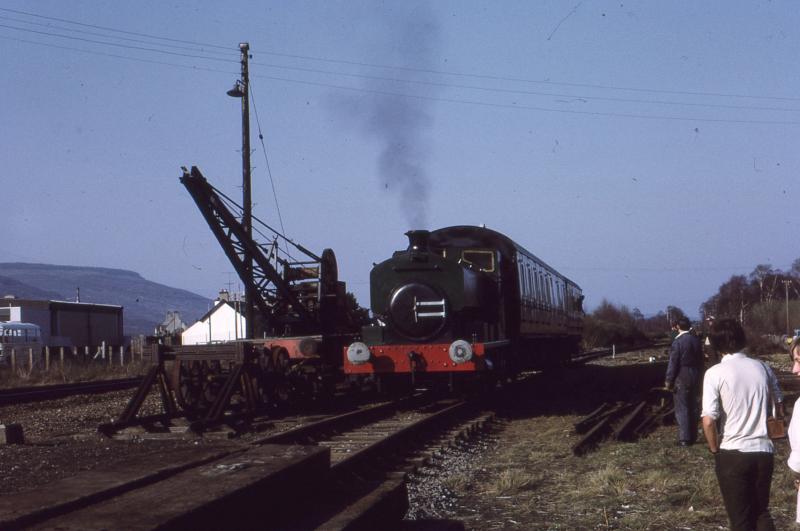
(241, 89)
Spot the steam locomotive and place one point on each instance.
(466, 299)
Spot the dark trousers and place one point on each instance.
(685, 398)
(744, 481)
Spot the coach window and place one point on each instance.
(525, 286)
(528, 280)
(539, 293)
(549, 287)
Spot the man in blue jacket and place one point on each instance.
(684, 377)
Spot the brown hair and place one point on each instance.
(727, 336)
(795, 344)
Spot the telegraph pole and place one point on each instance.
(786, 284)
(242, 90)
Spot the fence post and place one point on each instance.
(61, 357)
(30, 358)
(14, 360)
(86, 355)
(121, 356)
(47, 358)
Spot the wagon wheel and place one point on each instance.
(212, 381)
(282, 388)
(263, 391)
(190, 386)
(263, 380)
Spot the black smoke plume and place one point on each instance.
(397, 114)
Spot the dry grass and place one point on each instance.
(456, 482)
(510, 481)
(71, 372)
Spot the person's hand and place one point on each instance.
(668, 386)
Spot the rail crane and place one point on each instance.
(302, 318)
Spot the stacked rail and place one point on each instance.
(624, 421)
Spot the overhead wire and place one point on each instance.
(266, 157)
(266, 161)
(528, 80)
(415, 69)
(513, 105)
(525, 92)
(115, 44)
(229, 52)
(117, 30)
(573, 97)
(118, 56)
(531, 107)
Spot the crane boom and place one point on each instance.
(302, 299)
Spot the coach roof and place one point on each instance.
(471, 236)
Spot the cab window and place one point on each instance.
(483, 260)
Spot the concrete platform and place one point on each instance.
(383, 508)
(233, 489)
(23, 509)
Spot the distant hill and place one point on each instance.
(145, 303)
(10, 286)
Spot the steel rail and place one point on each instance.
(21, 395)
(313, 430)
(395, 439)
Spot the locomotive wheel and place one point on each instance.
(190, 386)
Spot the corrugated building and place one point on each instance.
(67, 324)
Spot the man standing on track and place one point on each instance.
(684, 376)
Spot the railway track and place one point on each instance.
(371, 451)
(21, 395)
(351, 465)
(597, 353)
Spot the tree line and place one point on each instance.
(766, 302)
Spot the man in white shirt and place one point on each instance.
(737, 393)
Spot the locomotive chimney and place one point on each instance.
(418, 240)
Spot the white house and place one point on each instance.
(222, 323)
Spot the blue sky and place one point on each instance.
(646, 150)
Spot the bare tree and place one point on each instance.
(759, 275)
(795, 270)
